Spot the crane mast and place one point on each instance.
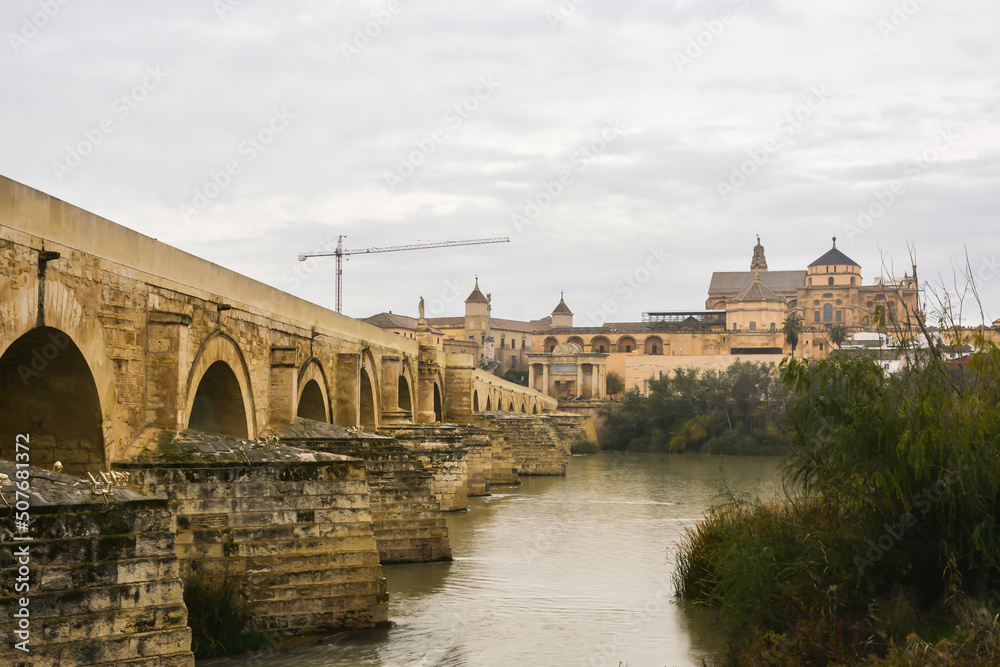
(339, 253)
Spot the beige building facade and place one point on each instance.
(744, 317)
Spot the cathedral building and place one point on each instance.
(743, 319)
(830, 291)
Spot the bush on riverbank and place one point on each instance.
(219, 618)
(892, 553)
(584, 446)
(735, 411)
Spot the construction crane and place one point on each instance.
(339, 253)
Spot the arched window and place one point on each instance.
(600, 344)
(829, 281)
(626, 344)
(828, 312)
(652, 345)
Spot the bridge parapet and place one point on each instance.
(492, 393)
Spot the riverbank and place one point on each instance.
(890, 555)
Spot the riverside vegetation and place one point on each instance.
(735, 411)
(888, 553)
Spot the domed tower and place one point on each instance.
(832, 292)
(756, 308)
(562, 316)
(834, 269)
(477, 314)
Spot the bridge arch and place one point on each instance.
(219, 392)
(48, 391)
(313, 400)
(368, 399)
(405, 400)
(19, 316)
(366, 406)
(406, 391)
(438, 404)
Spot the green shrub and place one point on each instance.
(584, 447)
(895, 526)
(689, 409)
(219, 618)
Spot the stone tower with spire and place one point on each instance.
(562, 316)
(477, 314)
(758, 263)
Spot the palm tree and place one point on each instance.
(838, 334)
(792, 327)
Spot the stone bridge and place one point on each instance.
(105, 333)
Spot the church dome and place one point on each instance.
(756, 291)
(835, 257)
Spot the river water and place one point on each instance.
(572, 570)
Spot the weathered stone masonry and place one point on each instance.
(293, 526)
(105, 586)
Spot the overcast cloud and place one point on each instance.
(249, 132)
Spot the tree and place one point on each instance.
(792, 327)
(614, 383)
(517, 377)
(838, 334)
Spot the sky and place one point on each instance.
(627, 149)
